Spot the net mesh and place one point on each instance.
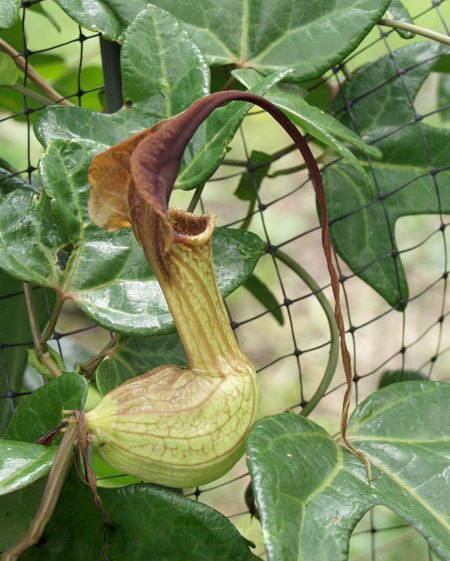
(289, 357)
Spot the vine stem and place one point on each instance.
(55, 481)
(90, 366)
(30, 93)
(416, 29)
(334, 331)
(38, 342)
(31, 73)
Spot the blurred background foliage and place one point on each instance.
(69, 58)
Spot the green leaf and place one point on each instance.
(444, 96)
(394, 376)
(265, 296)
(363, 224)
(381, 98)
(9, 73)
(311, 492)
(251, 180)
(9, 12)
(21, 463)
(273, 35)
(132, 356)
(269, 36)
(319, 124)
(14, 332)
(399, 12)
(163, 74)
(51, 241)
(192, 530)
(43, 409)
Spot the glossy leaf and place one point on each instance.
(21, 463)
(364, 224)
(132, 356)
(192, 530)
(394, 376)
(398, 11)
(319, 124)
(9, 12)
(43, 409)
(272, 35)
(15, 330)
(311, 492)
(163, 74)
(265, 296)
(106, 273)
(8, 70)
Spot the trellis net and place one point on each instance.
(289, 343)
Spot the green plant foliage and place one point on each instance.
(364, 223)
(394, 376)
(237, 32)
(444, 96)
(311, 492)
(9, 12)
(265, 297)
(51, 241)
(21, 463)
(163, 73)
(399, 12)
(192, 531)
(313, 120)
(8, 70)
(43, 409)
(132, 356)
(14, 328)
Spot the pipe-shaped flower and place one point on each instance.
(180, 427)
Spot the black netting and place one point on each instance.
(289, 357)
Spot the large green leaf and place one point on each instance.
(268, 35)
(319, 124)
(43, 409)
(21, 463)
(311, 492)
(14, 332)
(163, 74)
(132, 356)
(394, 376)
(149, 524)
(106, 274)
(412, 178)
(9, 12)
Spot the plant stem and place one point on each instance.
(334, 332)
(195, 198)
(31, 73)
(48, 332)
(30, 93)
(90, 366)
(56, 478)
(416, 29)
(39, 344)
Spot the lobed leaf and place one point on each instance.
(413, 177)
(311, 492)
